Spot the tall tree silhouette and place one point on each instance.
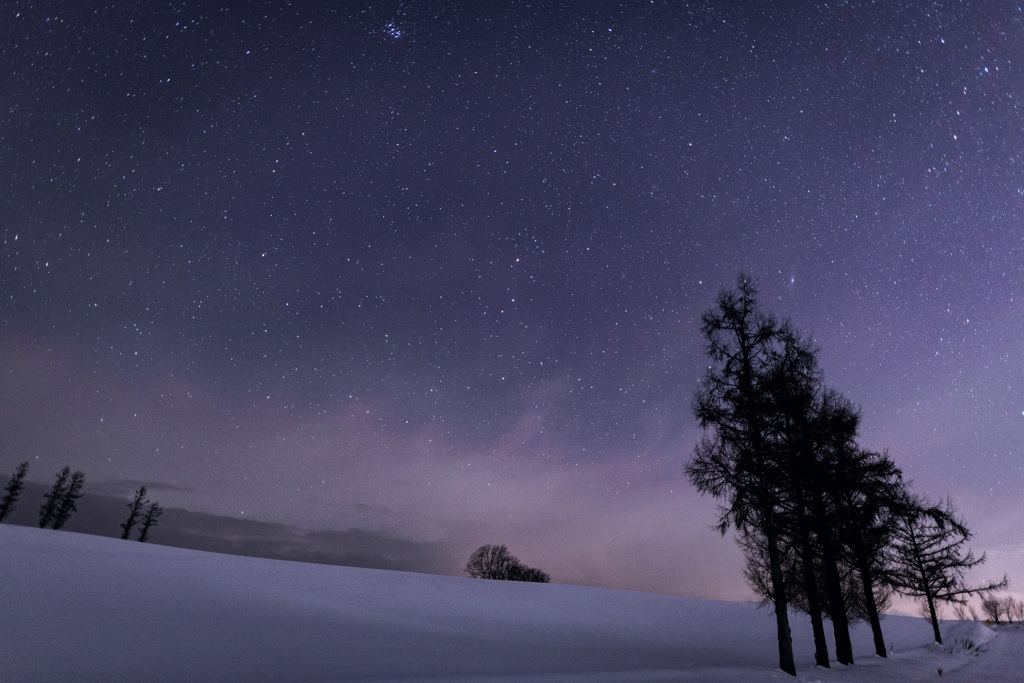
(134, 511)
(52, 500)
(153, 513)
(13, 490)
(869, 492)
(803, 428)
(69, 501)
(835, 430)
(792, 385)
(735, 460)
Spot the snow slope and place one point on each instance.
(87, 608)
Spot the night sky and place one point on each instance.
(432, 272)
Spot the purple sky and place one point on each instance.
(434, 272)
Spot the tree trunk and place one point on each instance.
(834, 592)
(867, 581)
(935, 618)
(811, 590)
(786, 662)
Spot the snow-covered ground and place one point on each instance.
(86, 608)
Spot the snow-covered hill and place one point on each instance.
(85, 608)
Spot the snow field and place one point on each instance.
(87, 608)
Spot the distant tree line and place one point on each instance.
(827, 527)
(61, 502)
(496, 562)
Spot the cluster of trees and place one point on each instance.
(58, 504)
(496, 562)
(1000, 609)
(146, 520)
(827, 527)
(61, 501)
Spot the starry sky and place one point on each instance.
(431, 273)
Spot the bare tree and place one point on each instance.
(52, 500)
(134, 510)
(13, 490)
(1008, 608)
(992, 606)
(930, 558)
(153, 513)
(496, 562)
(1015, 610)
(490, 562)
(68, 502)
